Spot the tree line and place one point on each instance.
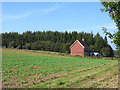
(55, 41)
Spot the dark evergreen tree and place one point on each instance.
(53, 41)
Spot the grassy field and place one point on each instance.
(22, 68)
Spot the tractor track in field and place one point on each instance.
(40, 77)
(53, 76)
(71, 74)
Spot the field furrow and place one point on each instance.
(21, 68)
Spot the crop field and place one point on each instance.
(27, 69)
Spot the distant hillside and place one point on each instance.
(55, 41)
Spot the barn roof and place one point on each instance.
(83, 43)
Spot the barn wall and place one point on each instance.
(77, 49)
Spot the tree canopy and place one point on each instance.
(113, 8)
(53, 41)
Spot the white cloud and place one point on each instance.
(16, 16)
(30, 13)
(95, 28)
(48, 10)
(111, 26)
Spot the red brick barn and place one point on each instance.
(79, 48)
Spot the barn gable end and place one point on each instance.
(75, 42)
(79, 48)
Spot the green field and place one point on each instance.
(23, 68)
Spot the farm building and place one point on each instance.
(79, 48)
